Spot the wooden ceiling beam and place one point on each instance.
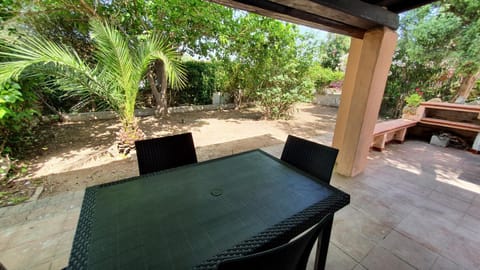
(289, 14)
(359, 10)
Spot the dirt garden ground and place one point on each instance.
(72, 156)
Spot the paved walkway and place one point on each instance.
(416, 206)
(39, 235)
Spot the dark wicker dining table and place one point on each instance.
(195, 216)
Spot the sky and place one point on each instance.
(319, 34)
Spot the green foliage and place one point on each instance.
(16, 117)
(251, 50)
(407, 75)
(464, 43)
(266, 60)
(414, 100)
(8, 198)
(322, 76)
(121, 65)
(192, 25)
(333, 51)
(437, 49)
(283, 91)
(200, 85)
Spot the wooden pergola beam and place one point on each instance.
(346, 17)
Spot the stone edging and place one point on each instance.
(106, 115)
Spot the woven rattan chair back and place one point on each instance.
(165, 153)
(313, 158)
(290, 256)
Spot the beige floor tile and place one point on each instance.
(456, 192)
(425, 229)
(435, 210)
(409, 250)
(471, 223)
(42, 266)
(18, 257)
(60, 262)
(463, 248)
(37, 230)
(71, 220)
(382, 211)
(336, 259)
(65, 241)
(350, 233)
(442, 263)
(359, 267)
(381, 259)
(474, 210)
(449, 201)
(339, 260)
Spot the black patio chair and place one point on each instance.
(165, 153)
(290, 256)
(313, 158)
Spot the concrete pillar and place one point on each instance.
(368, 65)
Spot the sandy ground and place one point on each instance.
(76, 155)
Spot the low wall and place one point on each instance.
(332, 100)
(90, 116)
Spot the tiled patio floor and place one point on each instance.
(416, 206)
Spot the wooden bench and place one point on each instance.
(453, 116)
(456, 116)
(392, 130)
(450, 124)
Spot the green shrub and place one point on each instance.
(16, 116)
(276, 101)
(322, 76)
(200, 86)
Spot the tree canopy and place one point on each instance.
(121, 65)
(437, 54)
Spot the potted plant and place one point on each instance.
(413, 101)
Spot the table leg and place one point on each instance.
(322, 246)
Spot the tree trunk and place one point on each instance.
(237, 98)
(468, 82)
(161, 98)
(153, 86)
(157, 78)
(61, 117)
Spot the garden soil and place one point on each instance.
(73, 156)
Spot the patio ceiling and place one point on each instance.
(348, 17)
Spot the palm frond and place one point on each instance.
(64, 65)
(113, 54)
(36, 50)
(157, 48)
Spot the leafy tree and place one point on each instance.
(190, 26)
(263, 61)
(465, 43)
(121, 65)
(446, 36)
(256, 53)
(437, 54)
(333, 51)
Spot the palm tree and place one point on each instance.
(121, 65)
